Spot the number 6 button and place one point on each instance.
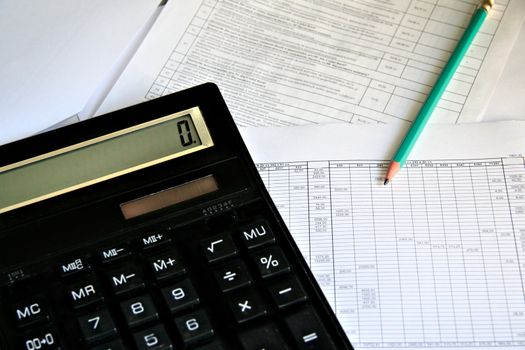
(194, 327)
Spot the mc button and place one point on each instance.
(257, 234)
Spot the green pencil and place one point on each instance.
(435, 95)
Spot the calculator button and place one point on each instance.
(247, 306)
(287, 292)
(166, 265)
(125, 279)
(114, 253)
(210, 346)
(84, 293)
(73, 267)
(97, 326)
(30, 312)
(232, 276)
(265, 337)
(194, 327)
(113, 345)
(257, 234)
(154, 338)
(180, 296)
(271, 262)
(153, 240)
(139, 310)
(219, 248)
(46, 339)
(307, 330)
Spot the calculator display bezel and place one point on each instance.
(194, 113)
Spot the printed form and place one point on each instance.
(290, 62)
(434, 260)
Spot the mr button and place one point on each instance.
(257, 234)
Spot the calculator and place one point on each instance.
(150, 228)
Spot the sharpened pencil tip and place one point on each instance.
(387, 181)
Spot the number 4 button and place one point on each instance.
(97, 326)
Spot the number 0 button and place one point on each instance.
(194, 327)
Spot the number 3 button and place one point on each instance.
(194, 327)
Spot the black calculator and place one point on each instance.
(150, 228)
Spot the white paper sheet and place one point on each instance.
(297, 62)
(55, 53)
(434, 260)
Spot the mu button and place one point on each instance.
(257, 234)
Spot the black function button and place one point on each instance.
(30, 312)
(218, 248)
(271, 262)
(194, 328)
(287, 292)
(73, 267)
(232, 276)
(125, 279)
(114, 253)
(180, 296)
(247, 306)
(153, 240)
(257, 234)
(216, 345)
(113, 345)
(97, 326)
(41, 339)
(265, 337)
(138, 311)
(154, 338)
(166, 265)
(307, 330)
(84, 293)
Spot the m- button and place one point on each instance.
(257, 234)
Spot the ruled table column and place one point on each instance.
(368, 296)
(298, 206)
(343, 243)
(320, 221)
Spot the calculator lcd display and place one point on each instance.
(103, 158)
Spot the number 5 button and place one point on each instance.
(97, 326)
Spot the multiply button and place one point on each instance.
(232, 276)
(247, 306)
(218, 248)
(271, 262)
(257, 234)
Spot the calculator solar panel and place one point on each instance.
(149, 228)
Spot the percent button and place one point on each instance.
(271, 262)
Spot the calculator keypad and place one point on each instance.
(157, 292)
